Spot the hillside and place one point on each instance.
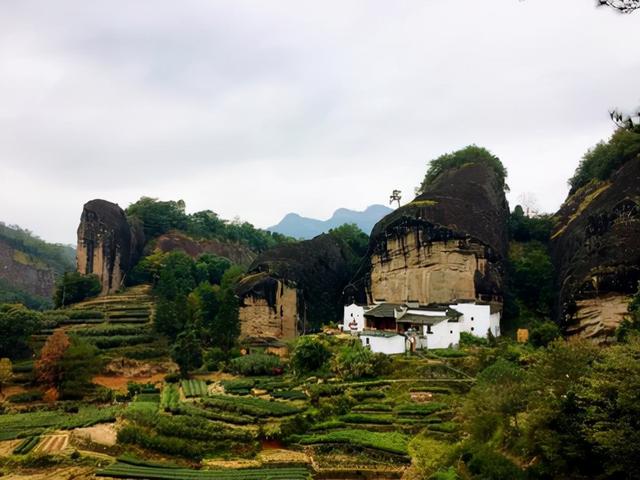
(29, 266)
(296, 226)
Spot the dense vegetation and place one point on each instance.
(158, 217)
(606, 157)
(468, 155)
(61, 258)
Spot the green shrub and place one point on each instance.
(390, 442)
(374, 419)
(542, 334)
(172, 377)
(256, 364)
(83, 314)
(448, 353)
(251, 406)
(309, 354)
(194, 388)
(355, 361)
(470, 340)
(483, 462)
(415, 409)
(26, 397)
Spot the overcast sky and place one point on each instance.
(259, 108)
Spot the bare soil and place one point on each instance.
(63, 473)
(7, 447)
(102, 434)
(119, 383)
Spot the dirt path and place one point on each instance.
(65, 473)
(119, 383)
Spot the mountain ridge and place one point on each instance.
(297, 226)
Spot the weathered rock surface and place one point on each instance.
(293, 288)
(109, 244)
(448, 244)
(24, 272)
(596, 252)
(179, 241)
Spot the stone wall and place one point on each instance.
(25, 273)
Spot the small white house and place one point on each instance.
(477, 319)
(395, 328)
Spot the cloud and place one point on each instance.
(260, 108)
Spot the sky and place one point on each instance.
(254, 109)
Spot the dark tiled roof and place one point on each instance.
(422, 319)
(384, 310)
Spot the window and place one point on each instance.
(472, 329)
(367, 340)
(429, 329)
(472, 319)
(450, 331)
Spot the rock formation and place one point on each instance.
(293, 288)
(109, 244)
(596, 252)
(235, 252)
(448, 244)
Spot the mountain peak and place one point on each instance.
(297, 226)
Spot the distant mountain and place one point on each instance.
(297, 226)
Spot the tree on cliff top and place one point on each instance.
(468, 155)
(601, 161)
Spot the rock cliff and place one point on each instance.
(448, 244)
(235, 252)
(293, 288)
(24, 272)
(109, 244)
(596, 251)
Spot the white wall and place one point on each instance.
(494, 320)
(475, 319)
(443, 335)
(379, 344)
(353, 320)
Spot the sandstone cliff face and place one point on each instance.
(293, 288)
(109, 244)
(25, 273)
(448, 244)
(596, 252)
(178, 241)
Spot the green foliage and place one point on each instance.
(26, 397)
(373, 419)
(225, 328)
(356, 361)
(186, 352)
(391, 442)
(417, 409)
(61, 258)
(470, 340)
(606, 157)
(194, 388)
(79, 363)
(468, 155)
(26, 445)
(9, 293)
(250, 406)
(430, 455)
(631, 323)
(610, 396)
(159, 217)
(485, 463)
(17, 324)
(256, 364)
(542, 334)
(525, 228)
(310, 353)
(74, 287)
(19, 425)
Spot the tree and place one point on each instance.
(78, 364)
(17, 324)
(48, 366)
(159, 217)
(204, 304)
(610, 397)
(354, 361)
(468, 155)
(542, 334)
(75, 287)
(6, 372)
(226, 328)
(186, 352)
(309, 354)
(210, 268)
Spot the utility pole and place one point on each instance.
(395, 197)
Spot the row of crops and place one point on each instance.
(255, 407)
(194, 388)
(27, 445)
(21, 425)
(126, 470)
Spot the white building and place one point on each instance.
(395, 328)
